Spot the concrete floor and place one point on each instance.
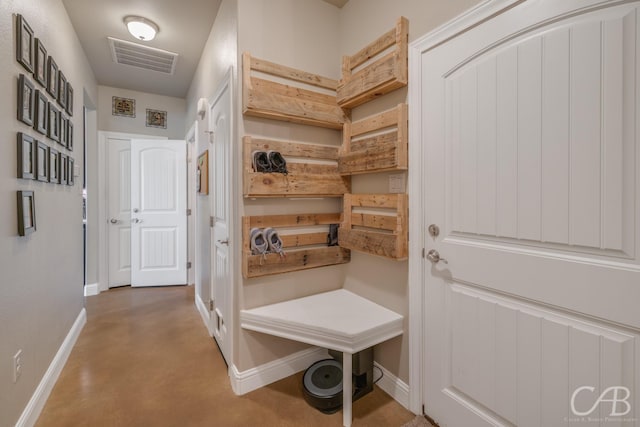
(145, 359)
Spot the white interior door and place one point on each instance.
(219, 172)
(158, 213)
(119, 217)
(532, 173)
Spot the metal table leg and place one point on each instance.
(347, 388)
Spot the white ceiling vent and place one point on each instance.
(137, 55)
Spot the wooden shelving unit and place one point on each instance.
(303, 179)
(380, 76)
(304, 249)
(383, 233)
(384, 150)
(274, 100)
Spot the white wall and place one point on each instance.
(41, 289)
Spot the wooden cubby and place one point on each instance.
(383, 233)
(380, 76)
(274, 100)
(303, 250)
(302, 179)
(384, 149)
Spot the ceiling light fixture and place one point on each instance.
(141, 28)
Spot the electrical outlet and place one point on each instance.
(17, 366)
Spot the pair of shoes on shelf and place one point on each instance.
(269, 161)
(265, 241)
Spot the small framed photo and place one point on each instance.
(63, 169)
(125, 107)
(69, 108)
(69, 135)
(40, 119)
(52, 77)
(62, 90)
(26, 94)
(26, 163)
(156, 119)
(26, 213)
(24, 43)
(40, 63)
(64, 131)
(42, 161)
(54, 166)
(53, 124)
(71, 170)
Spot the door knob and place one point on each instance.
(136, 210)
(136, 220)
(224, 242)
(434, 257)
(113, 221)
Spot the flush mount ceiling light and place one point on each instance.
(141, 28)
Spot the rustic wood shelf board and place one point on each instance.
(303, 179)
(365, 149)
(304, 250)
(382, 75)
(383, 233)
(274, 100)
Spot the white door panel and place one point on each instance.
(532, 163)
(119, 217)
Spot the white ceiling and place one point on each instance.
(184, 29)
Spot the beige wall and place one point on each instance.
(41, 275)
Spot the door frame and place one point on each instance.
(191, 138)
(103, 201)
(417, 273)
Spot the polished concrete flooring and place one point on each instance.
(145, 359)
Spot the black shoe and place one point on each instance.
(332, 237)
(278, 163)
(261, 162)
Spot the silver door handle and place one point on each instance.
(434, 257)
(113, 221)
(224, 242)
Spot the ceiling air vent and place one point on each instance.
(147, 58)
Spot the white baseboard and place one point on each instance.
(260, 376)
(36, 403)
(204, 313)
(393, 386)
(91, 290)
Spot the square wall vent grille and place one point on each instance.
(140, 56)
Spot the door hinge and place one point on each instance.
(188, 212)
(188, 265)
(423, 413)
(422, 252)
(210, 305)
(211, 221)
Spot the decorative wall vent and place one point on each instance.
(140, 56)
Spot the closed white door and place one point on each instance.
(158, 213)
(119, 216)
(532, 174)
(219, 171)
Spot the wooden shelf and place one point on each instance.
(384, 150)
(303, 179)
(274, 100)
(380, 76)
(303, 250)
(383, 233)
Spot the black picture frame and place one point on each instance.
(64, 169)
(62, 90)
(40, 63)
(26, 160)
(71, 178)
(24, 43)
(69, 108)
(42, 161)
(64, 130)
(54, 166)
(26, 94)
(26, 213)
(53, 123)
(70, 135)
(52, 77)
(41, 118)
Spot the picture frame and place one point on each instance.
(52, 77)
(203, 173)
(26, 95)
(63, 169)
(24, 43)
(64, 130)
(42, 161)
(71, 171)
(26, 161)
(40, 63)
(70, 134)
(62, 90)
(26, 213)
(53, 123)
(156, 119)
(69, 108)
(41, 118)
(125, 107)
(54, 166)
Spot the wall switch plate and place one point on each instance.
(17, 366)
(396, 183)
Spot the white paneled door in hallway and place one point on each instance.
(528, 124)
(158, 213)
